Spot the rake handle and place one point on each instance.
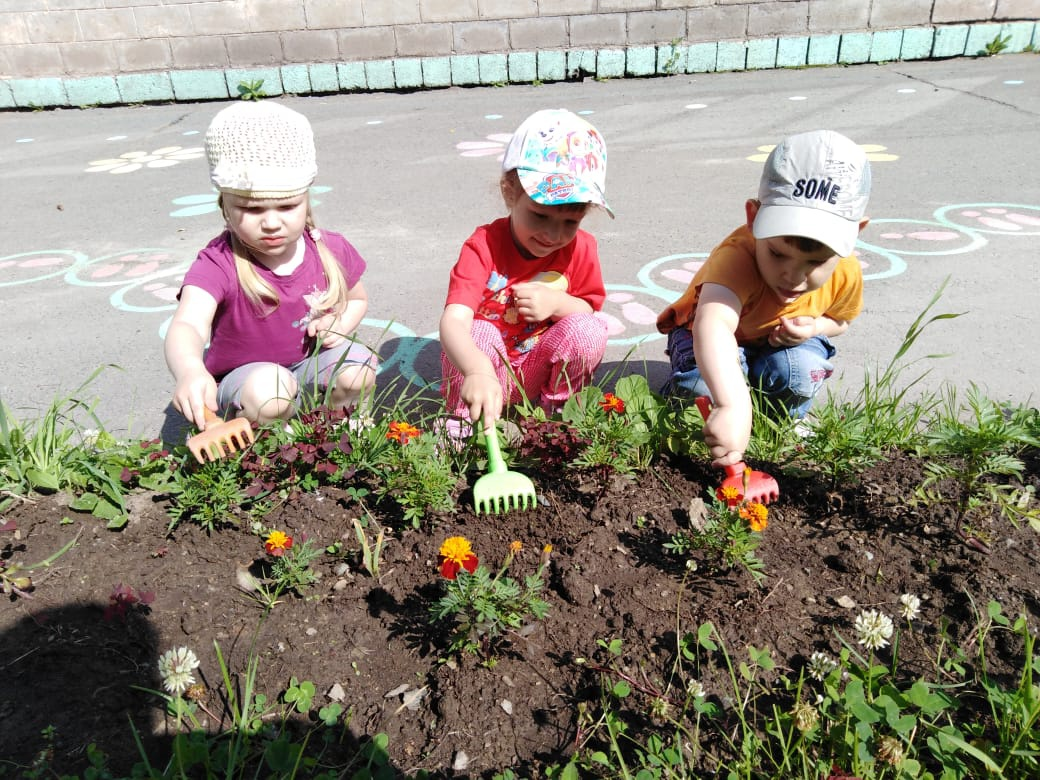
(494, 450)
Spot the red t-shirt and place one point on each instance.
(490, 264)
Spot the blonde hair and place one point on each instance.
(263, 296)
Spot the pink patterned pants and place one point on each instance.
(561, 363)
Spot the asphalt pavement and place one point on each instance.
(104, 209)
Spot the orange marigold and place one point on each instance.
(756, 514)
(611, 404)
(402, 432)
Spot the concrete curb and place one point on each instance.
(915, 43)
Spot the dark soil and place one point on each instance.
(827, 555)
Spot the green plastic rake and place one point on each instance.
(501, 489)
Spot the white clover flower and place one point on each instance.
(911, 606)
(175, 667)
(820, 665)
(874, 629)
(695, 689)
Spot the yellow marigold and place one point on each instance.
(456, 549)
(756, 514)
(515, 546)
(277, 543)
(729, 494)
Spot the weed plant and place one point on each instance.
(973, 460)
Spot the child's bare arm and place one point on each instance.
(481, 391)
(185, 342)
(728, 428)
(537, 301)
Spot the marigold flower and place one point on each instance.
(456, 554)
(873, 628)
(756, 514)
(175, 669)
(402, 432)
(911, 606)
(611, 404)
(277, 543)
(515, 546)
(730, 495)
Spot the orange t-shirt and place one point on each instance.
(732, 265)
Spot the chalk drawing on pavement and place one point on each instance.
(146, 280)
(206, 203)
(135, 161)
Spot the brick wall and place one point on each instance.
(436, 42)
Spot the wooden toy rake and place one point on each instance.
(221, 437)
(761, 487)
(501, 489)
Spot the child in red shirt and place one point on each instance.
(519, 320)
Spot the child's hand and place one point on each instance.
(793, 331)
(535, 301)
(327, 329)
(195, 391)
(482, 393)
(722, 435)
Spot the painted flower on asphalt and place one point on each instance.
(277, 543)
(457, 554)
(756, 514)
(402, 432)
(911, 606)
(820, 665)
(133, 161)
(873, 629)
(494, 145)
(196, 205)
(175, 669)
(611, 404)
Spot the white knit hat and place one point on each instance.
(261, 150)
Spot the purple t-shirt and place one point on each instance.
(240, 335)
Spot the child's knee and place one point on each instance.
(356, 379)
(268, 394)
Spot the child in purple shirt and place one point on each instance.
(276, 300)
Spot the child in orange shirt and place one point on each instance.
(764, 306)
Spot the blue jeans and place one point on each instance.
(790, 377)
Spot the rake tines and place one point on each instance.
(220, 438)
(501, 489)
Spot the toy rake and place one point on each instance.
(501, 489)
(221, 437)
(760, 486)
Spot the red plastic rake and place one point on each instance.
(760, 486)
